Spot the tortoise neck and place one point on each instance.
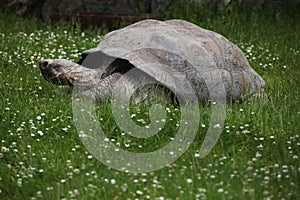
(101, 89)
(80, 75)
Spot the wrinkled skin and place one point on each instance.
(65, 72)
(91, 84)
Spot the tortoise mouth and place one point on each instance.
(55, 78)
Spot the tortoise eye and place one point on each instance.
(44, 64)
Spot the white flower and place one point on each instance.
(217, 126)
(258, 155)
(220, 190)
(113, 181)
(5, 149)
(139, 192)
(40, 133)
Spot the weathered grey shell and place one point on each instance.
(171, 46)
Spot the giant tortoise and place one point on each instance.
(174, 53)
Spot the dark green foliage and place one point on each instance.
(211, 10)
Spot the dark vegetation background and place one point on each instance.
(192, 10)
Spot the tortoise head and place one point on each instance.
(58, 71)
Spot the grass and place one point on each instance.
(42, 156)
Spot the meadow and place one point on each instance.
(43, 157)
